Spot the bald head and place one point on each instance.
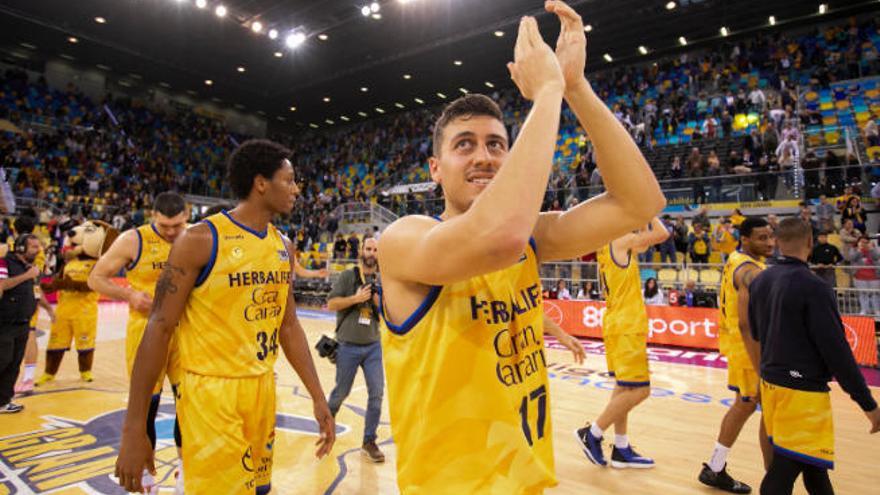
(795, 238)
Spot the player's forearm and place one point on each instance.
(148, 364)
(296, 349)
(553, 329)
(753, 348)
(508, 209)
(340, 303)
(625, 172)
(9, 283)
(104, 285)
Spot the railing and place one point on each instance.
(360, 214)
(851, 300)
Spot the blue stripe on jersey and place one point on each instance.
(206, 270)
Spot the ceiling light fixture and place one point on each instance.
(100, 20)
(463, 90)
(376, 16)
(365, 10)
(220, 11)
(379, 109)
(419, 101)
(329, 121)
(671, 5)
(72, 40)
(823, 8)
(240, 69)
(407, 77)
(682, 40)
(273, 33)
(323, 37)
(608, 58)
(772, 20)
(588, 28)
(292, 109)
(313, 125)
(279, 54)
(643, 50)
(208, 82)
(201, 3)
(724, 31)
(489, 85)
(364, 89)
(257, 27)
(375, 7)
(343, 117)
(441, 95)
(293, 40)
(362, 114)
(457, 62)
(326, 99)
(499, 33)
(399, 105)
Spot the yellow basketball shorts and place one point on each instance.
(799, 424)
(81, 328)
(34, 319)
(627, 358)
(742, 377)
(134, 333)
(228, 426)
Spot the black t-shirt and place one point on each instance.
(825, 254)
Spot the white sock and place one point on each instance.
(596, 431)
(621, 441)
(719, 457)
(29, 371)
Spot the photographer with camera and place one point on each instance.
(355, 299)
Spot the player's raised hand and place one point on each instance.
(571, 47)
(534, 69)
(327, 427)
(135, 455)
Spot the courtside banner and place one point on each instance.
(690, 327)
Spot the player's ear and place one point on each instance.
(434, 169)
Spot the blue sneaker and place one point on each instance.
(591, 446)
(629, 458)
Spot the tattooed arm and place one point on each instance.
(188, 256)
(742, 278)
(296, 349)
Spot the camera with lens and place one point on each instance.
(327, 347)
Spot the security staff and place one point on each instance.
(17, 305)
(793, 314)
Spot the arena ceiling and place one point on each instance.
(442, 45)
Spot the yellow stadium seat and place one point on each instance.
(688, 274)
(710, 276)
(669, 275)
(834, 240)
(843, 279)
(842, 104)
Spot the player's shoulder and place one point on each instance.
(407, 227)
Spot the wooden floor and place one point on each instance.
(66, 439)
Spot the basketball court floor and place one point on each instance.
(66, 440)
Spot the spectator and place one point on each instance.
(758, 100)
(562, 292)
(339, 247)
(699, 244)
(714, 170)
(866, 257)
(588, 291)
(353, 246)
(825, 214)
(667, 247)
(726, 238)
(652, 294)
(806, 215)
(825, 258)
(849, 238)
(695, 171)
(675, 171)
(872, 135)
(853, 211)
(680, 235)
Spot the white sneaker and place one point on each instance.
(149, 484)
(178, 487)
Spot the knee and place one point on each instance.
(745, 407)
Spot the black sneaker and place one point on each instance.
(372, 452)
(11, 408)
(591, 446)
(722, 480)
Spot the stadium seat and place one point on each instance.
(710, 276)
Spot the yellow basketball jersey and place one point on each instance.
(467, 387)
(625, 311)
(229, 326)
(144, 271)
(730, 341)
(70, 302)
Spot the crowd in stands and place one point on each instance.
(107, 159)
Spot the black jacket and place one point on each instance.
(17, 304)
(793, 314)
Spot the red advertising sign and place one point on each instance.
(690, 327)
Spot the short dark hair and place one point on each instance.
(254, 157)
(793, 230)
(169, 204)
(24, 224)
(750, 224)
(468, 106)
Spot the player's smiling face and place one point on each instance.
(473, 150)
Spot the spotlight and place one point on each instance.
(240, 69)
(365, 10)
(279, 54)
(293, 40)
(376, 16)
(220, 11)
(273, 33)
(607, 58)
(772, 20)
(72, 40)
(257, 27)
(375, 7)
(724, 31)
(671, 5)
(643, 50)
(326, 99)
(323, 37)
(344, 118)
(419, 101)
(489, 85)
(201, 3)
(399, 105)
(329, 121)
(292, 109)
(499, 33)
(588, 28)
(208, 82)
(100, 20)
(380, 110)
(362, 114)
(823, 8)
(463, 90)
(441, 95)
(407, 77)
(364, 89)
(682, 40)
(457, 62)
